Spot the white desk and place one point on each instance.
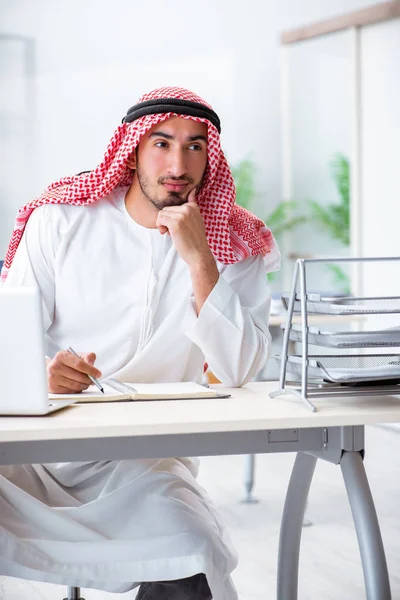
(249, 422)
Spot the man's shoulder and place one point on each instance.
(68, 212)
(58, 213)
(49, 210)
(52, 215)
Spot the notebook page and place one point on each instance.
(91, 394)
(177, 389)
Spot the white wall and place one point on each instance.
(94, 59)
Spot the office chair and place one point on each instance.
(74, 593)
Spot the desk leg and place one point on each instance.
(367, 527)
(292, 522)
(250, 460)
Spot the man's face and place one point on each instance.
(170, 161)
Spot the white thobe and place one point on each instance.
(113, 287)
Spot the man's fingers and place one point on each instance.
(56, 370)
(88, 357)
(192, 195)
(164, 221)
(72, 386)
(182, 209)
(65, 386)
(168, 221)
(79, 364)
(59, 389)
(67, 374)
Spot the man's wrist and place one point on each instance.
(204, 263)
(204, 274)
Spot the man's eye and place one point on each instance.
(195, 147)
(161, 144)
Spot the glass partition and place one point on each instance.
(316, 170)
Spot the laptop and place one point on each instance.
(23, 375)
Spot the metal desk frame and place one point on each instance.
(342, 446)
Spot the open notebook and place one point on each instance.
(116, 391)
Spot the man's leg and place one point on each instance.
(190, 588)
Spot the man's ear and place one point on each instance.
(131, 162)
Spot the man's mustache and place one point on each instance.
(181, 179)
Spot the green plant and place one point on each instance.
(341, 278)
(335, 217)
(243, 174)
(284, 217)
(287, 215)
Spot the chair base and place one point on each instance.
(74, 593)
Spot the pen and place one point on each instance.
(120, 387)
(95, 381)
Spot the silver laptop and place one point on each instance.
(23, 377)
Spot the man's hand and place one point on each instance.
(185, 225)
(67, 374)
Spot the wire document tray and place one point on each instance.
(358, 368)
(347, 339)
(339, 374)
(345, 306)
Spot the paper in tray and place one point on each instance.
(346, 305)
(348, 339)
(347, 368)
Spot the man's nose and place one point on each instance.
(177, 163)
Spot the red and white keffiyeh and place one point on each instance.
(233, 233)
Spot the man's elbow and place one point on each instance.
(246, 370)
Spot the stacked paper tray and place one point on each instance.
(348, 339)
(345, 306)
(347, 368)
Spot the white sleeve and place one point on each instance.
(33, 263)
(232, 327)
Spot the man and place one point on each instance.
(148, 268)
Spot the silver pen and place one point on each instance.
(120, 387)
(95, 381)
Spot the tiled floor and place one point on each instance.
(330, 567)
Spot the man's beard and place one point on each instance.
(172, 199)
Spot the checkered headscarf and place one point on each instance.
(233, 233)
